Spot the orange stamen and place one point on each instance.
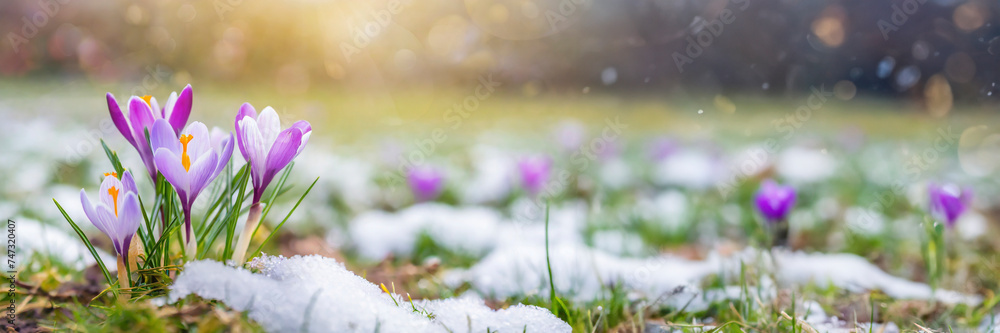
(113, 191)
(147, 98)
(185, 159)
(112, 173)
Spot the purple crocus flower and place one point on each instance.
(189, 163)
(116, 212)
(266, 146)
(534, 173)
(948, 202)
(426, 183)
(661, 148)
(142, 112)
(774, 201)
(268, 149)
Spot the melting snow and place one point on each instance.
(37, 237)
(802, 165)
(691, 169)
(317, 294)
(471, 230)
(586, 273)
(856, 274)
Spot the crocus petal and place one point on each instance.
(201, 174)
(283, 151)
(269, 126)
(91, 212)
(119, 119)
(141, 117)
(426, 183)
(104, 196)
(128, 183)
(181, 110)
(155, 107)
(105, 214)
(129, 216)
(217, 135)
(246, 110)
(170, 166)
(169, 106)
(254, 148)
(774, 201)
(225, 156)
(162, 136)
(306, 129)
(201, 141)
(126, 244)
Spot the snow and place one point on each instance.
(34, 237)
(690, 169)
(616, 174)
(579, 271)
(856, 274)
(990, 324)
(471, 230)
(864, 221)
(317, 294)
(971, 225)
(670, 209)
(353, 179)
(492, 178)
(803, 165)
(586, 273)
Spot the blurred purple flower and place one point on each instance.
(265, 146)
(189, 163)
(534, 173)
(610, 150)
(948, 202)
(570, 135)
(116, 213)
(661, 148)
(426, 183)
(774, 201)
(142, 112)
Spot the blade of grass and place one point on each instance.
(86, 241)
(232, 213)
(275, 231)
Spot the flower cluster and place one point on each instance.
(188, 157)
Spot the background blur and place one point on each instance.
(932, 52)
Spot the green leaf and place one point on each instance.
(86, 241)
(275, 231)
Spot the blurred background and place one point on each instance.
(925, 51)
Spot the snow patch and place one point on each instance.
(49, 240)
(802, 165)
(317, 294)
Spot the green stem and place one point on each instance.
(244, 242)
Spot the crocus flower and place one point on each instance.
(268, 149)
(774, 201)
(189, 163)
(266, 146)
(661, 148)
(948, 202)
(117, 214)
(426, 183)
(534, 173)
(142, 112)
